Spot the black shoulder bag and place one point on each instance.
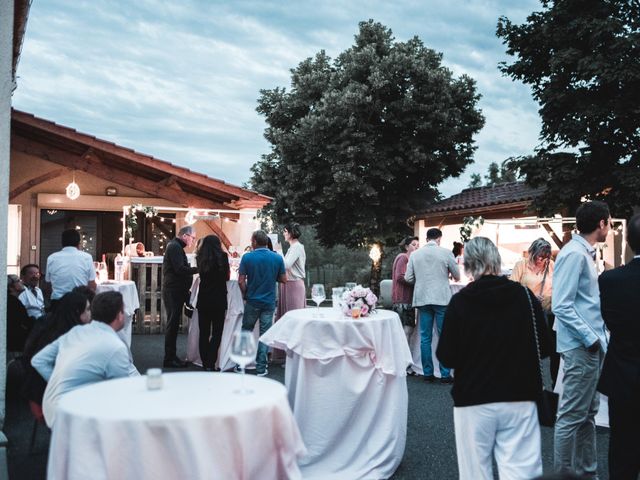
(547, 401)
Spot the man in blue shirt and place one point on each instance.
(257, 276)
(581, 341)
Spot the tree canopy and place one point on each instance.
(360, 142)
(496, 175)
(582, 61)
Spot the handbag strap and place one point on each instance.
(535, 335)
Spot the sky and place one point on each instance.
(180, 79)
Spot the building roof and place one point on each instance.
(79, 151)
(512, 194)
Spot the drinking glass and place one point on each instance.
(243, 350)
(317, 295)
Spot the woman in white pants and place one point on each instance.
(488, 339)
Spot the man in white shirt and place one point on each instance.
(32, 297)
(86, 354)
(429, 268)
(69, 268)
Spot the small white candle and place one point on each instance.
(154, 379)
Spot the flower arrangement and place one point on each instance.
(358, 302)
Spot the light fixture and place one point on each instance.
(190, 217)
(375, 253)
(73, 190)
(111, 191)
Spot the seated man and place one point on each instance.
(86, 354)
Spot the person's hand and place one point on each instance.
(594, 348)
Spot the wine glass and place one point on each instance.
(317, 295)
(243, 350)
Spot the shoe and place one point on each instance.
(262, 374)
(429, 378)
(411, 373)
(446, 380)
(175, 363)
(237, 369)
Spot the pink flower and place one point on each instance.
(364, 310)
(371, 298)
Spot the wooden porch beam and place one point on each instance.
(37, 181)
(93, 165)
(218, 231)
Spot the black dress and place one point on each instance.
(212, 308)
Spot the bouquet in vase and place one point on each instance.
(358, 302)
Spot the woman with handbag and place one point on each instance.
(490, 337)
(536, 273)
(213, 267)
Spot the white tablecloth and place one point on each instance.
(131, 303)
(232, 323)
(347, 387)
(414, 340)
(196, 427)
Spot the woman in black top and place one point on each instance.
(213, 267)
(488, 339)
(73, 309)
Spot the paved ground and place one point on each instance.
(430, 451)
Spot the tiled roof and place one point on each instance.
(470, 198)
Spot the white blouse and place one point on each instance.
(294, 261)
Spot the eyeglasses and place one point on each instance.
(189, 235)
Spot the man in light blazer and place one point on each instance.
(620, 379)
(429, 268)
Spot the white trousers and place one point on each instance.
(508, 430)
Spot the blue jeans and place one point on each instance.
(249, 319)
(427, 314)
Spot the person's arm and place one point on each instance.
(176, 258)
(401, 269)
(45, 360)
(517, 272)
(282, 274)
(409, 275)
(544, 339)
(293, 254)
(453, 267)
(119, 364)
(449, 346)
(566, 277)
(242, 283)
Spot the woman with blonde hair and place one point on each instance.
(536, 273)
(489, 339)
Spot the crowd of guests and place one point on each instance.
(494, 332)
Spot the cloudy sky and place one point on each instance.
(179, 79)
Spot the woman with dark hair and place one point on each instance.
(493, 352)
(213, 267)
(293, 293)
(73, 309)
(458, 252)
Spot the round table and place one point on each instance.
(131, 303)
(348, 389)
(194, 427)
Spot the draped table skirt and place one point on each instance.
(346, 383)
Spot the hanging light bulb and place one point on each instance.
(73, 190)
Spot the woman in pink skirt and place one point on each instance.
(292, 293)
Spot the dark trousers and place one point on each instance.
(173, 303)
(554, 357)
(624, 439)
(211, 323)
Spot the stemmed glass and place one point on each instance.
(317, 295)
(243, 351)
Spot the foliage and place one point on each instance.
(496, 175)
(360, 142)
(582, 61)
(131, 218)
(469, 224)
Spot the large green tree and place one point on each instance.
(360, 142)
(582, 61)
